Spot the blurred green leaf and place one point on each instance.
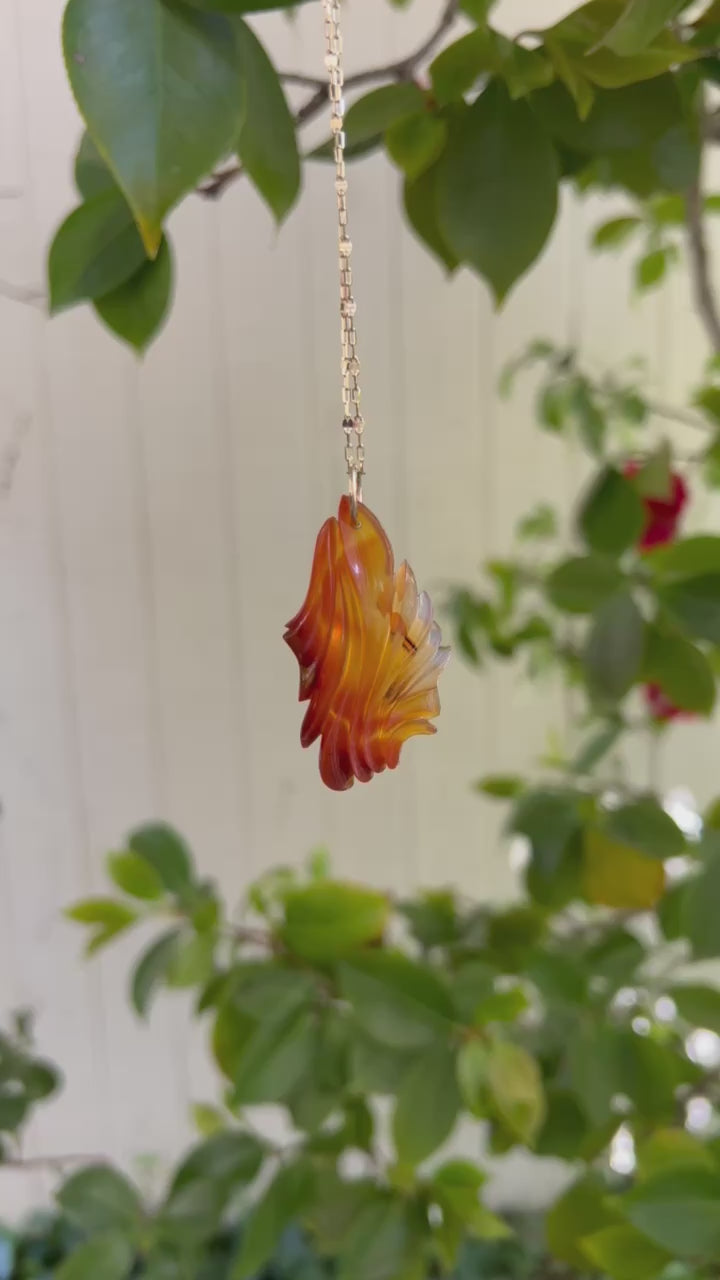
(646, 826)
(328, 920)
(99, 1198)
(107, 1256)
(152, 969)
(699, 911)
(615, 232)
(289, 1194)
(638, 25)
(580, 584)
(624, 1254)
(581, 1211)
(472, 1074)
(428, 1102)
(678, 1210)
(515, 1086)
(695, 604)
(134, 876)
(612, 515)
(166, 853)
(397, 1001)
(616, 875)
(614, 651)
(698, 1005)
(681, 670)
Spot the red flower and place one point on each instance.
(660, 706)
(662, 515)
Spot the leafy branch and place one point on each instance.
(402, 69)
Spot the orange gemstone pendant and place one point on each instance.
(368, 648)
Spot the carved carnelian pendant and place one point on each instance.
(368, 648)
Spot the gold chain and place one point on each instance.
(353, 424)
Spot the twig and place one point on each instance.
(402, 69)
(699, 255)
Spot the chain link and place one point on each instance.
(353, 424)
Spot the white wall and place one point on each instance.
(156, 529)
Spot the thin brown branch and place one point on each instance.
(699, 255)
(402, 69)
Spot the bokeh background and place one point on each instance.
(157, 522)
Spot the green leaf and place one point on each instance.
(686, 558)
(671, 1149)
(549, 817)
(152, 969)
(695, 604)
(137, 309)
(191, 961)
(108, 1256)
(268, 143)
(638, 25)
(208, 1119)
(95, 250)
(624, 1254)
(708, 399)
(616, 875)
(682, 671)
(472, 1075)
(582, 583)
(646, 826)
(328, 920)
(383, 1242)
(455, 70)
(160, 89)
(612, 515)
(651, 269)
(500, 1006)
(428, 1102)
(416, 142)
(372, 115)
(134, 876)
(228, 1157)
(615, 232)
(288, 1195)
(501, 786)
(421, 209)
(92, 176)
(627, 119)
(166, 852)
(433, 918)
(698, 1005)
(565, 1127)
(502, 237)
(103, 911)
(275, 1058)
(700, 909)
(581, 1211)
(376, 1069)
(596, 746)
(98, 1198)
(679, 1210)
(397, 1001)
(614, 652)
(516, 1089)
